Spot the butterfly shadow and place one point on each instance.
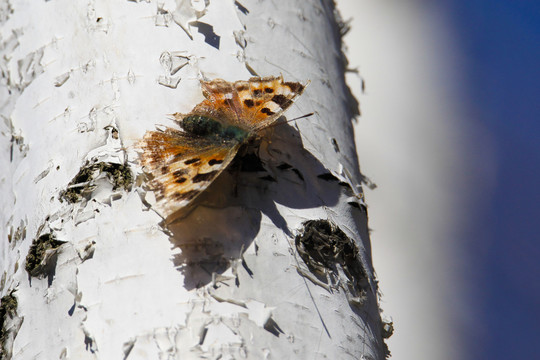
(227, 216)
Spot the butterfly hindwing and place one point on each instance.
(181, 166)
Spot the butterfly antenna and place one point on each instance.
(288, 121)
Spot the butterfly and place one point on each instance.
(182, 163)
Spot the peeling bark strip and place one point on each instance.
(83, 183)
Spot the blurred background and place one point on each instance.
(450, 133)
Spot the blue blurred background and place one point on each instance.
(450, 131)
(500, 43)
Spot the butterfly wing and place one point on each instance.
(182, 166)
(184, 163)
(251, 105)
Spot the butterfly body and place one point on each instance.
(183, 163)
(199, 125)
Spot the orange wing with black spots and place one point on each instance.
(253, 104)
(181, 166)
(183, 163)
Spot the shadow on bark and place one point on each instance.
(228, 215)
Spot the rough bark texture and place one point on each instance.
(275, 259)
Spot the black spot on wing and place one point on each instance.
(204, 177)
(249, 103)
(215, 162)
(192, 161)
(267, 111)
(294, 86)
(282, 101)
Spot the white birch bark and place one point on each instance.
(81, 82)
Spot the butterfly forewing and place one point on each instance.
(252, 104)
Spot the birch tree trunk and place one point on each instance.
(274, 262)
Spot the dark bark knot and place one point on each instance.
(322, 245)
